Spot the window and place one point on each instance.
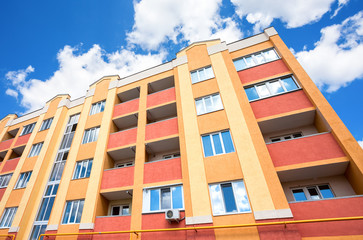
(217, 143)
(4, 180)
(229, 197)
(97, 107)
(47, 203)
(209, 104)
(202, 74)
(7, 217)
(312, 192)
(90, 135)
(83, 169)
(164, 198)
(35, 149)
(27, 129)
(120, 210)
(59, 166)
(124, 164)
(23, 180)
(255, 59)
(271, 88)
(286, 137)
(73, 212)
(46, 124)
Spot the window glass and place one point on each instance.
(299, 195)
(165, 198)
(227, 141)
(73, 212)
(90, 135)
(202, 74)
(240, 64)
(115, 211)
(208, 104)
(4, 180)
(35, 149)
(314, 195)
(270, 55)
(177, 197)
(251, 93)
(159, 199)
(46, 124)
(217, 143)
(125, 210)
(23, 180)
(216, 199)
(207, 146)
(241, 196)
(27, 129)
(326, 191)
(195, 78)
(154, 200)
(97, 107)
(200, 106)
(7, 217)
(37, 230)
(259, 59)
(249, 61)
(217, 101)
(228, 197)
(262, 90)
(289, 84)
(255, 59)
(275, 87)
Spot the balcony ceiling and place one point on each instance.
(125, 122)
(129, 94)
(166, 145)
(161, 84)
(123, 153)
(162, 112)
(117, 195)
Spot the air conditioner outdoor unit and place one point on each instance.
(172, 215)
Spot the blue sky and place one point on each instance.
(50, 47)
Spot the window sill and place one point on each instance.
(162, 211)
(233, 213)
(218, 154)
(255, 100)
(203, 80)
(79, 178)
(210, 112)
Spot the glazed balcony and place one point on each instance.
(329, 208)
(117, 177)
(4, 145)
(122, 138)
(161, 97)
(112, 223)
(262, 71)
(161, 129)
(280, 104)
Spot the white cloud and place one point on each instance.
(341, 4)
(12, 93)
(159, 21)
(76, 72)
(336, 59)
(361, 143)
(294, 13)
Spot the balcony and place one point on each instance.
(10, 165)
(161, 129)
(22, 140)
(161, 85)
(125, 108)
(162, 170)
(122, 138)
(112, 223)
(161, 97)
(4, 145)
(262, 71)
(117, 177)
(280, 104)
(329, 208)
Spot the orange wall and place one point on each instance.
(161, 129)
(280, 104)
(162, 170)
(262, 71)
(158, 98)
(122, 138)
(126, 107)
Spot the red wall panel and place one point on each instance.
(118, 177)
(22, 140)
(114, 223)
(302, 150)
(280, 104)
(2, 191)
(162, 170)
(161, 129)
(126, 107)
(157, 98)
(262, 71)
(10, 165)
(6, 144)
(122, 138)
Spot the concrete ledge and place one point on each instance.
(272, 214)
(180, 61)
(90, 92)
(113, 84)
(52, 227)
(198, 220)
(14, 229)
(270, 31)
(86, 226)
(217, 48)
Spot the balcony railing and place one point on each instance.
(10, 165)
(329, 208)
(162, 170)
(112, 223)
(126, 107)
(6, 144)
(161, 97)
(162, 129)
(117, 177)
(122, 138)
(305, 149)
(22, 140)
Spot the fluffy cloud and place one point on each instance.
(181, 20)
(293, 13)
(336, 59)
(76, 72)
(361, 143)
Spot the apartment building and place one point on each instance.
(225, 135)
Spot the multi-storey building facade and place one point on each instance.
(225, 134)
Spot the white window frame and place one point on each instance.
(203, 99)
(307, 194)
(205, 70)
(147, 199)
(71, 211)
(46, 124)
(35, 151)
(27, 129)
(8, 217)
(254, 58)
(82, 163)
(97, 107)
(286, 137)
(122, 206)
(234, 195)
(23, 180)
(5, 179)
(268, 87)
(90, 135)
(221, 139)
